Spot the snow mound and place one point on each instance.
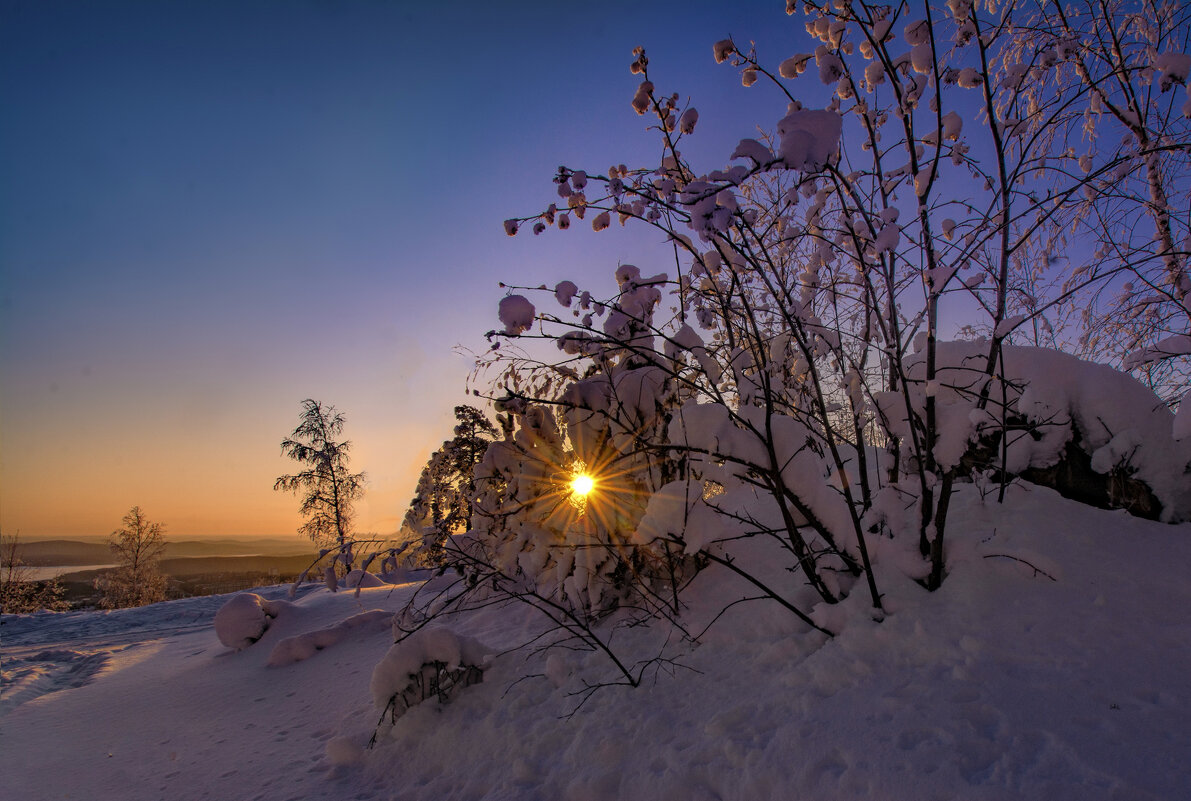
(303, 646)
(1052, 401)
(362, 578)
(244, 619)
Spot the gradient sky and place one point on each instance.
(212, 210)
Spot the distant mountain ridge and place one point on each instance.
(39, 553)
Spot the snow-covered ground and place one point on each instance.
(1067, 679)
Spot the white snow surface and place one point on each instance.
(1052, 664)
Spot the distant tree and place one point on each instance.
(328, 487)
(442, 503)
(19, 593)
(137, 580)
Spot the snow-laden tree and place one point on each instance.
(1099, 90)
(442, 502)
(137, 580)
(327, 486)
(929, 154)
(19, 592)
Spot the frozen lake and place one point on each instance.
(52, 571)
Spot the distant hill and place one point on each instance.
(205, 565)
(74, 552)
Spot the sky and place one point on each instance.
(210, 211)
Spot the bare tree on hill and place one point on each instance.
(138, 546)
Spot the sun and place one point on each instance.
(582, 484)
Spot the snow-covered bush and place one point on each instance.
(795, 417)
(433, 662)
(245, 618)
(536, 532)
(340, 570)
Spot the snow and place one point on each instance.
(245, 618)
(808, 138)
(1052, 664)
(406, 657)
(303, 646)
(1115, 418)
(752, 149)
(564, 292)
(1177, 345)
(1174, 68)
(1006, 326)
(952, 126)
(793, 66)
(516, 313)
(968, 78)
(1182, 419)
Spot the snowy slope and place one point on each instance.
(1072, 683)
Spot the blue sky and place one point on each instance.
(212, 210)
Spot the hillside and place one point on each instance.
(216, 564)
(1052, 664)
(76, 552)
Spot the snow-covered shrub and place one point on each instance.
(245, 618)
(1049, 410)
(340, 569)
(533, 532)
(433, 662)
(803, 362)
